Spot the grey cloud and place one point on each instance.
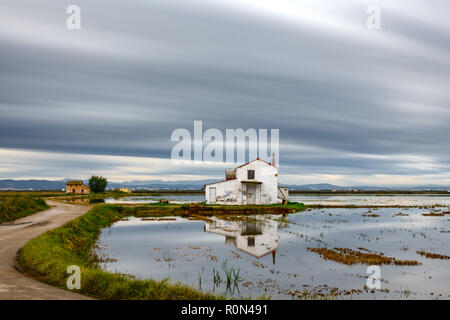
(135, 72)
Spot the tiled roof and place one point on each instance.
(76, 182)
(242, 165)
(220, 181)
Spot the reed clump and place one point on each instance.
(430, 255)
(18, 205)
(351, 257)
(436, 214)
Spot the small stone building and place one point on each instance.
(77, 187)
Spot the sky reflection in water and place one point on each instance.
(271, 256)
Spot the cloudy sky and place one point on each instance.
(352, 105)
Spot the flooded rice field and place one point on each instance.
(374, 200)
(320, 253)
(325, 200)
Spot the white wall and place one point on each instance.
(231, 191)
(267, 175)
(227, 192)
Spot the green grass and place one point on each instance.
(15, 206)
(215, 209)
(289, 205)
(48, 256)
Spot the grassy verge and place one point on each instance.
(15, 206)
(167, 208)
(206, 209)
(48, 256)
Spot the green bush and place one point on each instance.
(17, 206)
(97, 184)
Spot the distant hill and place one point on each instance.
(10, 184)
(161, 185)
(327, 186)
(314, 187)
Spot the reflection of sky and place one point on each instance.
(400, 200)
(137, 245)
(397, 200)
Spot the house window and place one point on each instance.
(250, 174)
(250, 241)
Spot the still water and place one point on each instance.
(372, 200)
(326, 200)
(268, 255)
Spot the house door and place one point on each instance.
(251, 196)
(212, 195)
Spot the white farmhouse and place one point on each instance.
(255, 182)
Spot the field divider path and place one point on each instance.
(15, 285)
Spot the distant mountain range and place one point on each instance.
(327, 186)
(10, 184)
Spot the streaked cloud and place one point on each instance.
(353, 106)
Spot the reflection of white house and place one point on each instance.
(255, 182)
(255, 237)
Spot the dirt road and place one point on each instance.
(14, 235)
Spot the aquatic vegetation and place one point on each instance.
(200, 279)
(351, 257)
(430, 255)
(212, 257)
(406, 293)
(371, 215)
(232, 275)
(436, 213)
(400, 214)
(433, 214)
(259, 264)
(168, 257)
(231, 278)
(236, 255)
(98, 256)
(321, 292)
(216, 277)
